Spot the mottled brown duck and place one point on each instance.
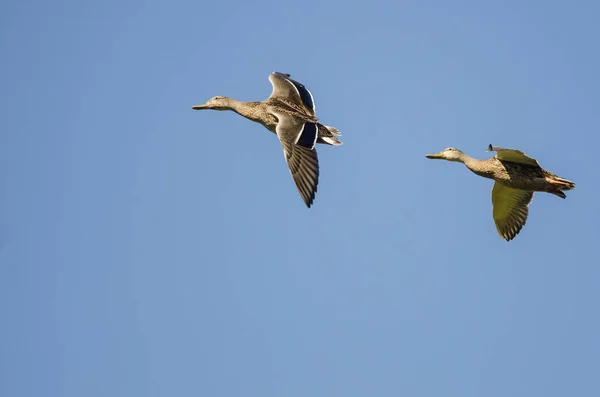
(289, 113)
(517, 176)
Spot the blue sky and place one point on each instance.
(150, 250)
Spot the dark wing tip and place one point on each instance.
(307, 188)
(495, 148)
(510, 234)
(309, 202)
(307, 194)
(515, 233)
(304, 165)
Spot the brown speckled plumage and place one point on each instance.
(516, 177)
(290, 114)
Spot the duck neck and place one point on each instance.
(466, 159)
(245, 109)
(475, 165)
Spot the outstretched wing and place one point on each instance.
(298, 139)
(291, 90)
(510, 209)
(513, 155)
(304, 167)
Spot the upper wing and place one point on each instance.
(289, 89)
(513, 155)
(510, 209)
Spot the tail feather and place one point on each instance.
(333, 130)
(329, 140)
(558, 193)
(329, 135)
(558, 185)
(569, 185)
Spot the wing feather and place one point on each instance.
(293, 91)
(300, 154)
(513, 155)
(510, 210)
(304, 167)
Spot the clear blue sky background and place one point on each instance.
(150, 250)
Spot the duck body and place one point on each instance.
(521, 176)
(290, 114)
(262, 113)
(517, 176)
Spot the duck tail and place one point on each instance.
(569, 185)
(330, 140)
(333, 130)
(329, 135)
(558, 193)
(562, 183)
(558, 185)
